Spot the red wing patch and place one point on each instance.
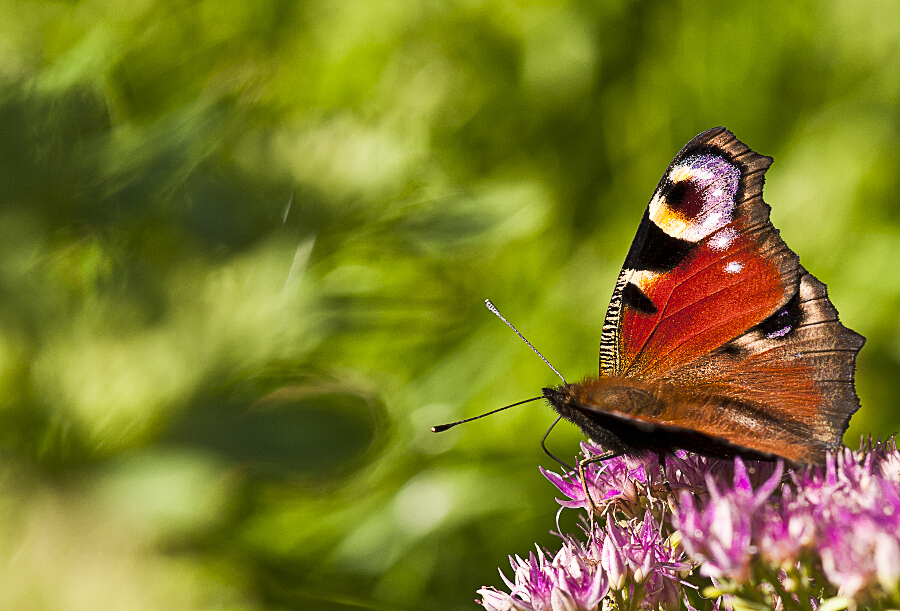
(711, 298)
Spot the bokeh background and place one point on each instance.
(244, 248)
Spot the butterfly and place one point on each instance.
(716, 339)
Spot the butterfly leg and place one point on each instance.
(670, 494)
(581, 475)
(548, 452)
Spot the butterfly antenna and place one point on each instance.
(494, 309)
(443, 427)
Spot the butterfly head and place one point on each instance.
(597, 404)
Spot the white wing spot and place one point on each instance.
(723, 239)
(642, 278)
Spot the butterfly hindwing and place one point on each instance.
(797, 366)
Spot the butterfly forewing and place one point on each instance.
(713, 314)
(705, 264)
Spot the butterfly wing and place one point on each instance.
(713, 304)
(706, 263)
(794, 369)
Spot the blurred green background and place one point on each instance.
(244, 248)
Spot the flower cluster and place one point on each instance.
(631, 483)
(840, 524)
(568, 581)
(630, 562)
(718, 531)
(753, 533)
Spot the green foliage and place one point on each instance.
(244, 248)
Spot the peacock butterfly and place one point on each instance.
(716, 339)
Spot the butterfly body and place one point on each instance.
(716, 339)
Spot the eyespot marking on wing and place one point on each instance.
(697, 198)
